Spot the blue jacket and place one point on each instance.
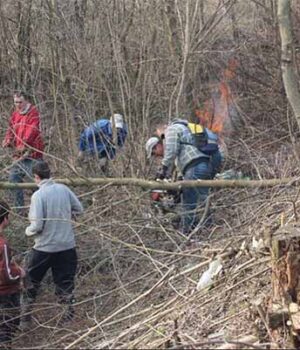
(97, 139)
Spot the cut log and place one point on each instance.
(284, 306)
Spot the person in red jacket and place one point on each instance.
(10, 284)
(24, 137)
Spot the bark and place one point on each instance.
(173, 37)
(234, 24)
(24, 51)
(289, 75)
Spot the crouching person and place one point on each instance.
(10, 284)
(51, 212)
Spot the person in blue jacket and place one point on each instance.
(97, 141)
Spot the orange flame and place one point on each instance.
(216, 113)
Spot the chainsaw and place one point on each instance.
(165, 200)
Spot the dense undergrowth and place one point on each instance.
(137, 276)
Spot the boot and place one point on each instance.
(26, 318)
(68, 315)
(26, 313)
(69, 311)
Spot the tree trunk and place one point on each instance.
(24, 52)
(174, 40)
(287, 57)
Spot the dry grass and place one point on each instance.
(136, 285)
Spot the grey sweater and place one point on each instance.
(50, 215)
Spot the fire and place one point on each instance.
(219, 110)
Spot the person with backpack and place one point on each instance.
(191, 147)
(97, 141)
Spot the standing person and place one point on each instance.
(96, 140)
(179, 148)
(10, 284)
(24, 137)
(51, 211)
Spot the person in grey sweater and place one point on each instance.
(51, 213)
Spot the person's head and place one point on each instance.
(160, 130)
(4, 213)
(118, 120)
(40, 171)
(19, 100)
(154, 147)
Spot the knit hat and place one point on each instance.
(118, 118)
(152, 142)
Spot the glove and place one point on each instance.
(6, 144)
(155, 196)
(21, 153)
(162, 172)
(80, 156)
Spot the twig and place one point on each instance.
(215, 342)
(125, 307)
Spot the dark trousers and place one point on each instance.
(63, 266)
(20, 170)
(9, 316)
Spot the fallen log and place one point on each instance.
(163, 185)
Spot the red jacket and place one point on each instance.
(24, 131)
(10, 274)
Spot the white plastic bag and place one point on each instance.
(207, 277)
(257, 245)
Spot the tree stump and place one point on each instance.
(284, 308)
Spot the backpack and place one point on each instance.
(204, 139)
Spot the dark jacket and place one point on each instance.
(10, 274)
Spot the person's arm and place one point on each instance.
(9, 135)
(171, 147)
(122, 134)
(11, 272)
(32, 128)
(86, 136)
(76, 205)
(36, 216)
(83, 140)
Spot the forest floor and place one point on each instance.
(137, 280)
